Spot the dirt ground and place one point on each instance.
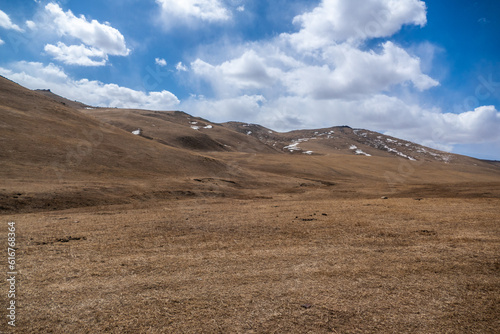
(283, 265)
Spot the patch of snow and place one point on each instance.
(405, 156)
(308, 152)
(137, 132)
(194, 127)
(89, 108)
(208, 127)
(249, 133)
(391, 150)
(360, 152)
(193, 123)
(270, 131)
(292, 147)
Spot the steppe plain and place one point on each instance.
(183, 230)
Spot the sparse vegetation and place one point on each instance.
(134, 235)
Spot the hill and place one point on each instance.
(57, 156)
(64, 101)
(137, 221)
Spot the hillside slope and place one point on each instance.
(52, 155)
(181, 130)
(47, 148)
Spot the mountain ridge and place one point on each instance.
(265, 134)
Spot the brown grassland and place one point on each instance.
(117, 233)
(285, 265)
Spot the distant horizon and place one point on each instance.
(416, 71)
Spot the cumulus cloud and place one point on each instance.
(92, 33)
(160, 62)
(342, 71)
(349, 71)
(6, 23)
(249, 71)
(99, 39)
(336, 21)
(77, 54)
(191, 11)
(325, 60)
(35, 75)
(1, 42)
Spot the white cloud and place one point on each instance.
(241, 108)
(348, 71)
(249, 71)
(35, 75)
(1, 42)
(322, 69)
(31, 25)
(160, 62)
(445, 130)
(99, 39)
(77, 54)
(341, 71)
(93, 33)
(336, 21)
(192, 11)
(180, 67)
(6, 23)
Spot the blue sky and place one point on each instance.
(422, 71)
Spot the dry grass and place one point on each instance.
(258, 266)
(216, 232)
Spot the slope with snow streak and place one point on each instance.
(341, 139)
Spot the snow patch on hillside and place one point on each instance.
(293, 147)
(359, 151)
